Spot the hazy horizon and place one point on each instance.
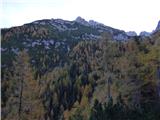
(127, 15)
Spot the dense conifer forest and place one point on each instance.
(96, 79)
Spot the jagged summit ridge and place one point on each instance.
(117, 34)
(87, 29)
(87, 23)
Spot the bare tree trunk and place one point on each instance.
(20, 100)
(158, 81)
(109, 87)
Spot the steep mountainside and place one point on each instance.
(79, 70)
(158, 26)
(55, 35)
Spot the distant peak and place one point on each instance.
(158, 26)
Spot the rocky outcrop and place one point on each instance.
(131, 33)
(145, 34)
(82, 21)
(158, 26)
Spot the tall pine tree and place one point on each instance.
(24, 103)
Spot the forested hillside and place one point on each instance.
(48, 74)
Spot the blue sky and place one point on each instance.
(128, 15)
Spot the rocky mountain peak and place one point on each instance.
(158, 26)
(87, 23)
(82, 21)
